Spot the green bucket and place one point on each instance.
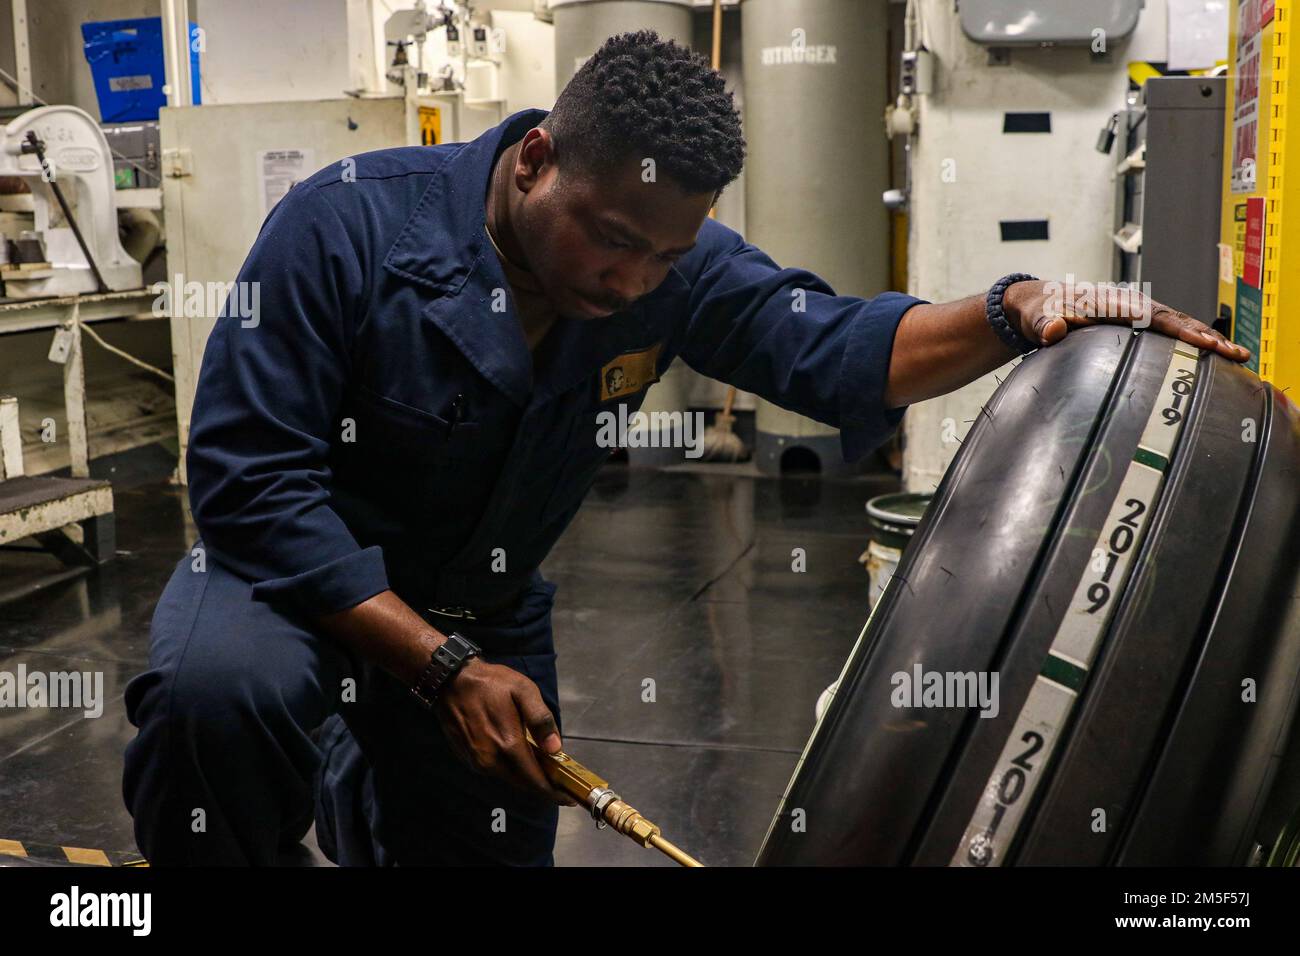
(893, 519)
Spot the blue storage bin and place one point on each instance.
(126, 61)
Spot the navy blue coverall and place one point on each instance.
(377, 425)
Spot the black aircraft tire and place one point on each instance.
(1118, 544)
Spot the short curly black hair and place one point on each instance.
(642, 96)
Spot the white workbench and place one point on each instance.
(69, 312)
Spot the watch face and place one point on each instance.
(463, 644)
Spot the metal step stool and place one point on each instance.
(72, 518)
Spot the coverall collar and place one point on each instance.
(444, 237)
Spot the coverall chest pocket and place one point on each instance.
(390, 448)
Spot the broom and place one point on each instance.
(720, 442)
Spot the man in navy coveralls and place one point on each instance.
(414, 407)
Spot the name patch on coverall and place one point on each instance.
(630, 372)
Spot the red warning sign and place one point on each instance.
(1253, 265)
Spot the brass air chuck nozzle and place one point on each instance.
(606, 807)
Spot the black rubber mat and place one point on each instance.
(1118, 544)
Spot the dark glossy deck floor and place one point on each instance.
(682, 577)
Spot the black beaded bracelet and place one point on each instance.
(1011, 337)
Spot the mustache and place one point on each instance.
(606, 302)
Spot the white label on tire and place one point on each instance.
(1107, 570)
(1010, 788)
(1033, 739)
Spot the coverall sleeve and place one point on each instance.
(266, 403)
(786, 336)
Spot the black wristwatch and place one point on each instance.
(1011, 337)
(445, 662)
